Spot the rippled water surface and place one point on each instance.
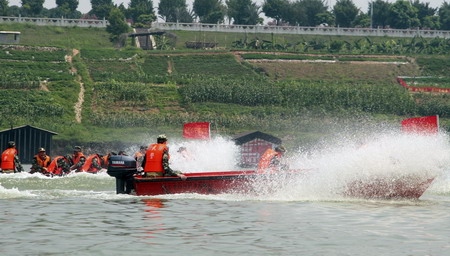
(81, 214)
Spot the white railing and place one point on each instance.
(336, 31)
(56, 22)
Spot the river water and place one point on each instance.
(81, 215)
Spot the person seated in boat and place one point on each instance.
(271, 160)
(185, 154)
(9, 161)
(156, 160)
(93, 164)
(105, 161)
(78, 159)
(40, 162)
(60, 165)
(139, 156)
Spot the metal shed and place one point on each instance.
(9, 37)
(28, 139)
(253, 145)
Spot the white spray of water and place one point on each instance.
(217, 154)
(388, 155)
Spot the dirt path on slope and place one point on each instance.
(79, 105)
(43, 85)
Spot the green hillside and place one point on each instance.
(130, 93)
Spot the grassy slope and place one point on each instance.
(144, 94)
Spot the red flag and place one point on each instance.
(196, 131)
(426, 125)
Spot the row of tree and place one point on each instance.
(401, 14)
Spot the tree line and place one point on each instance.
(401, 14)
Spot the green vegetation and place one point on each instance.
(66, 37)
(130, 92)
(317, 57)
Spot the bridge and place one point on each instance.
(56, 21)
(327, 31)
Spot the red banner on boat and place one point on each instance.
(196, 131)
(426, 125)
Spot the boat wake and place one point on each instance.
(328, 173)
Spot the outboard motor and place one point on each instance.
(122, 168)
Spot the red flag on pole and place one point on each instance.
(197, 131)
(425, 125)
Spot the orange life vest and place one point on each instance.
(105, 161)
(42, 162)
(87, 167)
(8, 159)
(153, 158)
(77, 158)
(53, 167)
(266, 159)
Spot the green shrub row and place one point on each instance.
(416, 45)
(435, 66)
(433, 104)
(32, 55)
(166, 68)
(28, 105)
(326, 95)
(16, 80)
(37, 71)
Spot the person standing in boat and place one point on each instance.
(78, 159)
(271, 160)
(40, 162)
(9, 161)
(156, 160)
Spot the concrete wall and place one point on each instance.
(330, 31)
(56, 22)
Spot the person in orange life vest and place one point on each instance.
(139, 156)
(271, 159)
(60, 165)
(9, 161)
(105, 159)
(93, 164)
(156, 160)
(40, 162)
(78, 159)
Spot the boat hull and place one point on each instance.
(406, 187)
(201, 183)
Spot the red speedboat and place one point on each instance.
(123, 168)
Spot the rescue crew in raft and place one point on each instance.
(9, 161)
(271, 160)
(156, 160)
(78, 159)
(60, 165)
(40, 162)
(93, 164)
